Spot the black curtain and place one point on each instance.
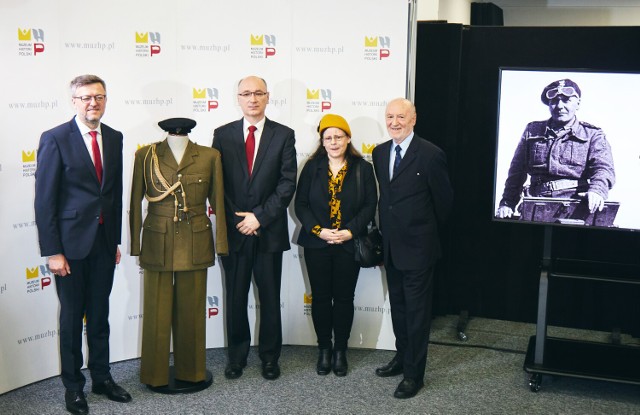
(486, 14)
(492, 268)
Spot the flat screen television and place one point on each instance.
(568, 148)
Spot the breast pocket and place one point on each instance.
(197, 188)
(154, 234)
(538, 152)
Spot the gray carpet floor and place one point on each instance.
(483, 375)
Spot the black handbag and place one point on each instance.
(368, 248)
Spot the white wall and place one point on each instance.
(570, 12)
(539, 12)
(453, 11)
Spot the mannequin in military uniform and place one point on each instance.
(176, 176)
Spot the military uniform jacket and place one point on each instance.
(186, 244)
(583, 153)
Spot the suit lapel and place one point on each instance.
(165, 156)
(239, 147)
(385, 148)
(265, 141)
(77, 141)
(322, 178)
(188, 158)
(408, 158)
(109, 155)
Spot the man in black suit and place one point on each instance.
(259, 169)
(415, 198)
(78, 207)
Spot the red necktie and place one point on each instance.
(97, 159)
(250, 146)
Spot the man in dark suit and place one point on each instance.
(415, 198)
(78, 207)
(259, 169)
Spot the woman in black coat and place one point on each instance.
(333, 211)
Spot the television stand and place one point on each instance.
(581, 359)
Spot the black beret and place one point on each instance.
(177, 126)
(564, 87)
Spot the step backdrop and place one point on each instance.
(182, 58)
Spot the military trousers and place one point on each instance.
(174, 301)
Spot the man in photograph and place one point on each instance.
(563, 157)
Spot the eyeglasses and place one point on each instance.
(257, 94)
(337, 138)
(567, 91)
(87, 98)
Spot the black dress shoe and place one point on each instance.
(270, 370)
(407, 388)
(76, 402)
(323, 367)
(111, 390)
(393, 368)
(233, 371)
(340, 362)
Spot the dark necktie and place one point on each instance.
(396, 162)
(250, 146)
(97, 159)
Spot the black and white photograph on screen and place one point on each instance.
(567, 151)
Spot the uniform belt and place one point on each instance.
(169, 210)
(560, 184)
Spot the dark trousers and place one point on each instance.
(85, 292)
(333, 274)
(174, 300)
(266, 268)
(410, 296)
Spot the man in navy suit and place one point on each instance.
(78, 207)
(259, 169)
(415, 198)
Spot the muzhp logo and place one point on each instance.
(377, 48)
(205, 99)
(147, 44)
(263, 46)
(318, 100)
(30, 42)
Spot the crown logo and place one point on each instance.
(28, 156)
(313, 93)
(307, 298)
(257, 40)
(199, 93)
(24, 34)
(370, 42)
(142, 37)
(367, 148)
(32, 273)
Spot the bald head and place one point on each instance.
(400, 118)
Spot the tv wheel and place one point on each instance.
(535, 380)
